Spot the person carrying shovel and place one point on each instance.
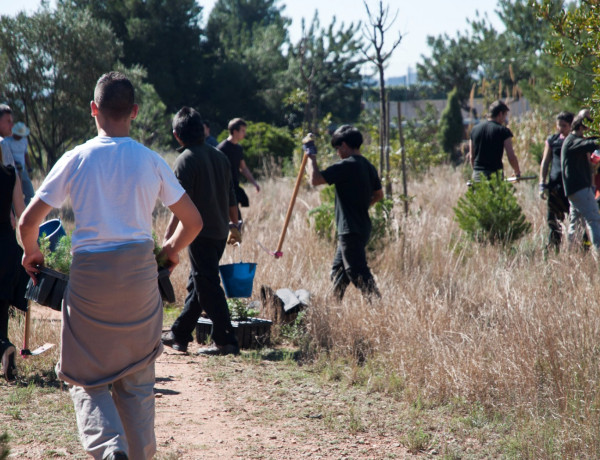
(357, 187)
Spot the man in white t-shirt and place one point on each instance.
(112, 310)
(6, 125)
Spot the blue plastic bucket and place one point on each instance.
(238, 279)
(54, 232)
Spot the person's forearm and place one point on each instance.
(316, 178)
(171, 226)
(248, 175)
(545, 164)
(189, 224)
(234, 215)
(514, 163)
(30, 222)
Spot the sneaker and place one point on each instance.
(8, 362)
(168, 339)
(219, 350)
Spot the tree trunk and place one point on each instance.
(388, 182)
(403, 153)
(382, 121)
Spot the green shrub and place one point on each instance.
(59, 259)
(239, 310)
(381, 216)
(324, 214)
(489, 212)
(264, 143)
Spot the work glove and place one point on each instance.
(543, 191)
(308, 144)
(235, 236)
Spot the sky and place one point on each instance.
(415, 21)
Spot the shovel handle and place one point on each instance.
(288, 215)
(25, 350)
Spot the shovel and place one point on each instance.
(308, 138)
(25, 351)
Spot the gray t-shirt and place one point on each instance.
(205, 174)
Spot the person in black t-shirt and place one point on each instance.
(235, 153)
(489, 140)
(357, 187)
(553, 191)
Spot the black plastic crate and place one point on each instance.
(251, 333)
(50, 288)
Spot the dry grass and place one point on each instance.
(505, 330)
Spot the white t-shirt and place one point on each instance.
(16, 147)
(7, 158)
(113, 183)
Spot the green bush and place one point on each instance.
(239, 310)
(324, 214)
(381, 216)
(264, 143)
(59, 259)
(489, 212)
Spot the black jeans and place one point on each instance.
(4, 308)
(350, 265)
(205, 293)
(558, 209)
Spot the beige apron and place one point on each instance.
(111, 316)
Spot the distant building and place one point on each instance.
(411, 110)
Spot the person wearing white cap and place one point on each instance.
(16, 146)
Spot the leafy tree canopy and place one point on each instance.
(49, 89)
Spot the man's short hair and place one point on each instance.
(235, 125)
(114, 95)
(187, 124)
(496, 108)
(565, 116)
(348, 134)
(4, 109)
(579, 121)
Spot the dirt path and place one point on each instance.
(225, 408)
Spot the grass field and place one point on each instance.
(505, 338)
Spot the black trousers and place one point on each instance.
(4, 308)
(558, 209)
(350, 266)
(205, 293)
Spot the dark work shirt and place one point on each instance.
(204, 173)
(235, 155)
(355, 181)
(555, 142)
(7, 185)
(576, 167)
(488, 145)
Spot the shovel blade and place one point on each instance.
(42, 349)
